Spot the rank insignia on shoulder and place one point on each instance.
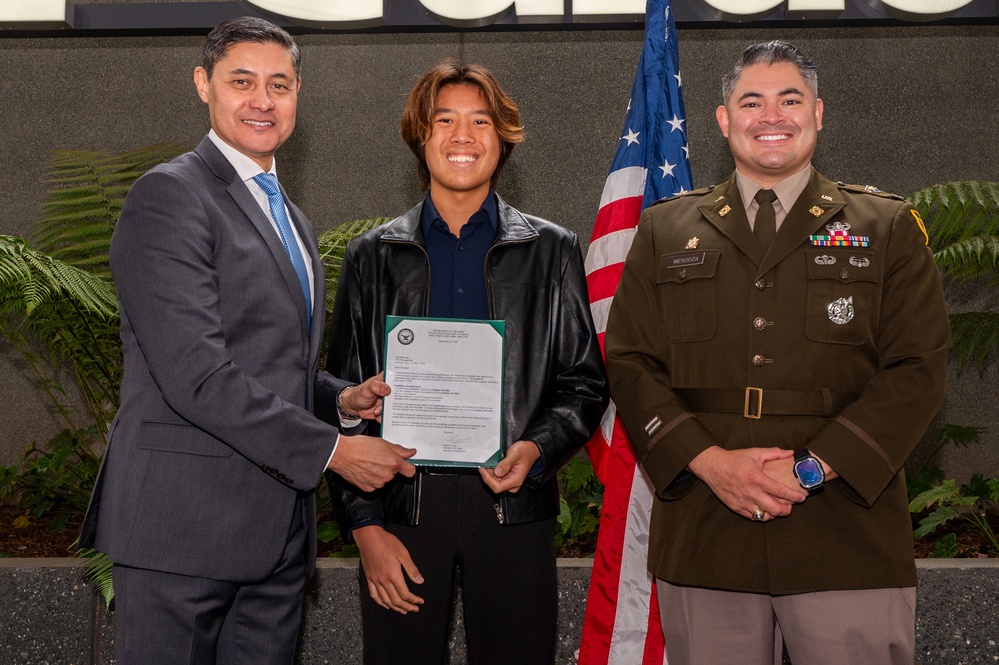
(869, 189)
(694, 192)
(692, 243)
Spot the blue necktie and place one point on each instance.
(269, 184)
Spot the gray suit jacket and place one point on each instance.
(214, 445)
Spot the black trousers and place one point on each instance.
(508, 583)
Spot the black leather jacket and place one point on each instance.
(555, 387)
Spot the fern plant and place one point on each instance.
(332, 245)
(87, 191)
(59, 311)
(962, 219)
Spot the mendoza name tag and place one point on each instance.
(685, 259)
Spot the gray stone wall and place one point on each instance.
(51, 617)
(906, 107)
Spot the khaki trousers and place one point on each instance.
(856, 627)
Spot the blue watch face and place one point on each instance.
(809, 472)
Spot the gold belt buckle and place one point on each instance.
(758, 392)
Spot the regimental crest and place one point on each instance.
(816, 211)
(692, 243)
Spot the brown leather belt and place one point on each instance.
(757, 402)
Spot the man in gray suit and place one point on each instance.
(205, 499)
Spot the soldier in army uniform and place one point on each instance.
(776, 348)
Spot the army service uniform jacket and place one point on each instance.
(835, 341)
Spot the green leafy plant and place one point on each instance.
(332, 245)
(928, 474)
(53, 481)
(969, 503)
(580, 502)
(59, 311)
(962, 220)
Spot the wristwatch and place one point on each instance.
(809, 472)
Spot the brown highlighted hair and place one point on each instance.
(418, 116)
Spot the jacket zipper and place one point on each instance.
(426, 312)
(498, 506)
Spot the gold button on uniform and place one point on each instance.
(759, 323)
(760, 284)
(758, 360)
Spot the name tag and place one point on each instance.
(686, 259)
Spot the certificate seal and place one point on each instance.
(406, 336)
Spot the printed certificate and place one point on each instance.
(447, 389)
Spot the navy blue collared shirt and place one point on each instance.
(458, 264)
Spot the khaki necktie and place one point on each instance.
(765, 226)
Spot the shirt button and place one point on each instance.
(460, 291)
(759, 323)
(461, 248)
(759, 360)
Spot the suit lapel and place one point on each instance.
(726, 212)
(817, 205)
(261, 223)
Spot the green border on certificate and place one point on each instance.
(447, 389)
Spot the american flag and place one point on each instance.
(621, 626)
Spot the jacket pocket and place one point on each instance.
(180, 438)
(843, 294)
(688, 293)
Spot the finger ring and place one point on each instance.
(758, 514)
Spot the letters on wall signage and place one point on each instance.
(484, 12)
(32, 14)
(325, 11)
(416, 14)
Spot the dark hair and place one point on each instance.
(418, 116)
(771, 53)
(241, 30)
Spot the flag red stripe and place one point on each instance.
(617, 216)
(602, 282)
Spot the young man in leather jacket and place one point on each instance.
(462, 252)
